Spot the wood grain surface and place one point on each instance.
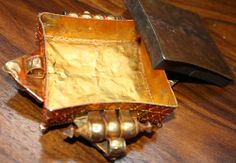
(203, 128)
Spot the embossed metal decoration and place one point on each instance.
(94, 72)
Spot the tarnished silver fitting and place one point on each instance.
(99, 17)
(35, 67)
(86, 15)
(73, 14)
(110, 17)
(12, 68)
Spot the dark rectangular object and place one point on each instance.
(177, 41)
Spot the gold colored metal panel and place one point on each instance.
(90, 71)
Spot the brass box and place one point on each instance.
(85, 65)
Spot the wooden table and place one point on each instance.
(203, 128)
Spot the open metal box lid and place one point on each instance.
(177, 41)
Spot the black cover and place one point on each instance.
(177, 41)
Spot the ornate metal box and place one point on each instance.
(96, 74)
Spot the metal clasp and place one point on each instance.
(34, 66)
(108, 130)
